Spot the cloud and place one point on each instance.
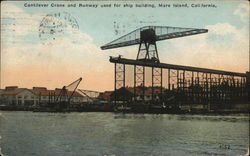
(16, 22)
(224, 47)
(61, 60)
(243, 11)
(53, 62)
(222, 29)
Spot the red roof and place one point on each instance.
(13, 91)
(105, 95)
(43, 92)
(53, 93)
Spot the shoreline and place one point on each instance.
(218, 113)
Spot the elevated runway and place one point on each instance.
(172, 66)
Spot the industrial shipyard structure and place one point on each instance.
(173, 87)
(144, 84)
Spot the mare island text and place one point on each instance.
(186, 5)
(124, 5)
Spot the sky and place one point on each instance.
(30, 58)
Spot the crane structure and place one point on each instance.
(62, 97)
(147, 37)
(89, 94)
(189, 84)
(68, 91)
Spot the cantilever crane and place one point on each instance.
(147, 36)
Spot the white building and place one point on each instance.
(14, 96)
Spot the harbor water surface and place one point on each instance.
(77, 134)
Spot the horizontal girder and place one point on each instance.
(171, 66)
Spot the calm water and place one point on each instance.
(77, 134)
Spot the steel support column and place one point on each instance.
(156, 81)
(119, 77)
(139, 82)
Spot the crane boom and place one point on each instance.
(67, 91)
(161, 33)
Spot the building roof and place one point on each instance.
(105, 95)
(54, 93)
(10, 87)
(38, 92)
(14, 91)
(39, 88)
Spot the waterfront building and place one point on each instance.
(105, 96)
(14, 96)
